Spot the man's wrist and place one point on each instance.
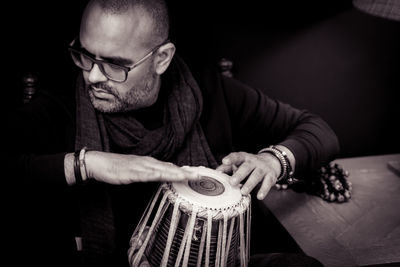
(75, 167)
(286, 160)
(289, 155)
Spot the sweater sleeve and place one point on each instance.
(259, 121)
(36, 141)
(38, 169)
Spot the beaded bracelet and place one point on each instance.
(330, 182)
(286, 174)
(289, 179)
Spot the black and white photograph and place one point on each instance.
(159, 133)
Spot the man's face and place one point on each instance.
(118, 38)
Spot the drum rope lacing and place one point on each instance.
(195, 211)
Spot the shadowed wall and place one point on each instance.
(326, 57)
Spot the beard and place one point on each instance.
(143, 94)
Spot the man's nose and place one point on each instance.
(95, 75)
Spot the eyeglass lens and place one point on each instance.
(111, 71)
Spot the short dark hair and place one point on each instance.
(156, 9)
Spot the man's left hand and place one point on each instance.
(262, 168)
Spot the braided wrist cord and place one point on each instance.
(286, 175)
(77, 169)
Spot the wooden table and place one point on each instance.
(363, 231)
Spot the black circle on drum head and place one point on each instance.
(207, 186)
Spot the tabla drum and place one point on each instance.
(194, 223)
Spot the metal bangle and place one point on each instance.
(82, 165)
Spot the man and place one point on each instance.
(137, 116)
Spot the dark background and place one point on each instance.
(324, 56)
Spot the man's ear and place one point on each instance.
(164, 57)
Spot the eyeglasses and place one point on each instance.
(112, 71)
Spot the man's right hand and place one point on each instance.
(117, 169)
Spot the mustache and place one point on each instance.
(102, 86)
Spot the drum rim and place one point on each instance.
(202, 211)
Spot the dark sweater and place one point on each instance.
(235, 117)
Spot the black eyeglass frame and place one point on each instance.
(72, 48)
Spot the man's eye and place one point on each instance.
(113, 67)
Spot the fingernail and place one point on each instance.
(244, 190)
(260, 196)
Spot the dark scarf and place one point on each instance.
(180, 140)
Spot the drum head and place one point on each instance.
(212, 190)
